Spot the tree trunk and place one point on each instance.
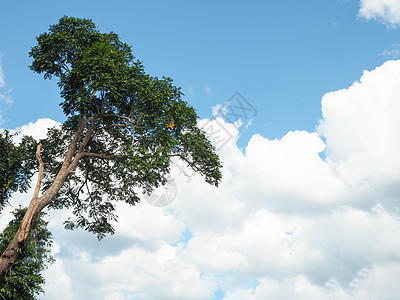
(10, 255)
(37, 204)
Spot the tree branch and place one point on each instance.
(102, 156)
(52, 191)
(92, 95)
(88, 134)
(84, 143)
(41, 170)
(74, 142)
(191, 164)
(120, 117)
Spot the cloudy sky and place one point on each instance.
(302, 99)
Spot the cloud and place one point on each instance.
(4, 90)
(219, 110)
(208, 89)
(386, 11)
(285, 223)
(393, 53)
(57, 282)
(37, 130)
(378, 283)
(360, 126)
(2, 81)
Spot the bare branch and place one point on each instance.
(140, 117)
(92, 95)
(41, 170)
(132, 123)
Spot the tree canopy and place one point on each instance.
(123, 117)
(17, 164)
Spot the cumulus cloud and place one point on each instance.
(57, 281)
(386, 11)
(37, 130)
(377, 283)
(285, 223)
(360, 125)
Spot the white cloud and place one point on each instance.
(57, 281)
(292, 161)
(4, 91)
(2, 81)
(284, 223)
(219, 110)
(377, 283)
(37, 130)
(386, 11)
(249, 123)
(392, 53)
(147, 223)
(155, 274)
(361, 127)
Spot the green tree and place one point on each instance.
(17, 163)
(24, 280)
(118, 136)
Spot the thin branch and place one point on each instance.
(191, 164)
(140, 117)
(131, 126)
(41, 170)
(102, 156)
(92, 95)
(132, 104)
(88, 189)
(83, 184)
(120, 117)
(65, 66)
(133, 136)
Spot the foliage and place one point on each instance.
(118, 136)
(23, 280)
(17, 163)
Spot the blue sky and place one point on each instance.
(280, 55)
(309, 204)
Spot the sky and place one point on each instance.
(302, 101)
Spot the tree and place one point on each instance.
(16, 165)
(117, 136)
(24, 280)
